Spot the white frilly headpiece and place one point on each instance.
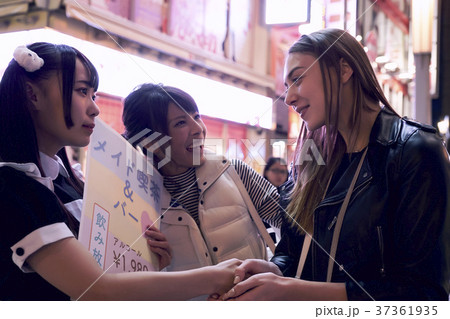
(28, 59)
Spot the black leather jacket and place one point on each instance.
(395, 238)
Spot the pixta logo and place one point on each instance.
(152, 142)
(255, 151)
(310, 147)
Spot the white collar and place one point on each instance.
(31, 170)
(52, 166)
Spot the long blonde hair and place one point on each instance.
(330, 47)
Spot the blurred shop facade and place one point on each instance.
(228, 54)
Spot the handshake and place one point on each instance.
(252, 279)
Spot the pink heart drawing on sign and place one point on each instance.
(146, 221)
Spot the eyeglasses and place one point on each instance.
(278, 171)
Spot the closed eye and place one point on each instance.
(180, 123)
(297, 80)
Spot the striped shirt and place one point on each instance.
(184, 191)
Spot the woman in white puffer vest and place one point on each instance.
(205, 206)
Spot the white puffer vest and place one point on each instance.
(226, 229)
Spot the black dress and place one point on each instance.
(26, 205)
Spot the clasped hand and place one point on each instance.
(255, 279)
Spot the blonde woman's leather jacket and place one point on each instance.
(395, 238)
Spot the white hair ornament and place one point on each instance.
(27, 59)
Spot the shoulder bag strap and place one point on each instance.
(337, 229)
(340, 219)
(305, 249)
(307, 242)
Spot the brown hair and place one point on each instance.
(330, 47)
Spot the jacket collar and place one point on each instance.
(386, 129)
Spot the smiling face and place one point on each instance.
(187, 132)
(51, 129)
(305, 92)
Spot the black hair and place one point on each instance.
(147, 106)
(18, 140)
(270, 162)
